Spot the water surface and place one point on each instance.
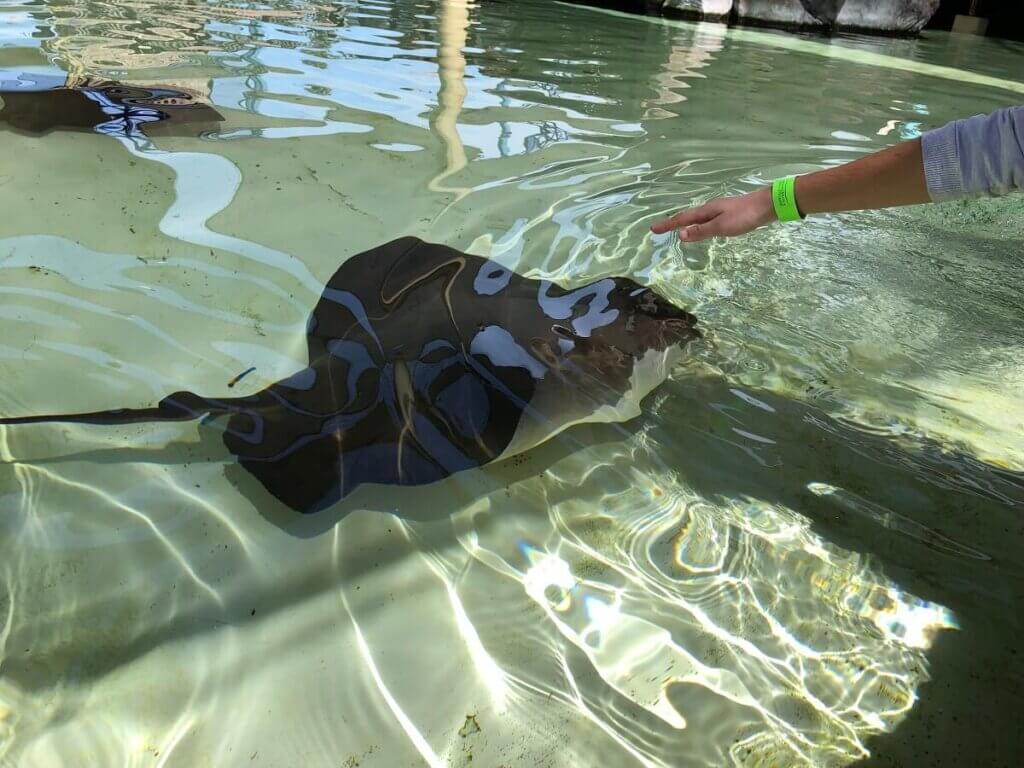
(805, 552)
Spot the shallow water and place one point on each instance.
(805, 552)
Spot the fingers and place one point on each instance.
(724, 217)
(684, 219)
(697, 232)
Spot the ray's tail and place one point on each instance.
(181, 406)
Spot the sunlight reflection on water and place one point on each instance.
(732, 578)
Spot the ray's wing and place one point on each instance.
(394, 393)
(39, 112)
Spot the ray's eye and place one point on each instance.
(561, 330)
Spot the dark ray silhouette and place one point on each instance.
(39, 104)
(425, 361)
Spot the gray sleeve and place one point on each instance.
(979, 156)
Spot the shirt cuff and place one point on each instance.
(942, 164)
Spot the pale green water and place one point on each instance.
(805, 552)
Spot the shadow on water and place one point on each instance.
(942, 525)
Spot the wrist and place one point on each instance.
(784, 199)
(763, 206)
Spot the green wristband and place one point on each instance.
(784, 199)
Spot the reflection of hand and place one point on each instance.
(726, 216)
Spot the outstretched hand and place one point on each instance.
(724, 217)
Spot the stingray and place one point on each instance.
(37, 104)
(425, 361)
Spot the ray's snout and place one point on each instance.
(665, 321)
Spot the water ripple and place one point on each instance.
(752, 572)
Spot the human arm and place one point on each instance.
(982, 155)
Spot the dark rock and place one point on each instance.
(711, 10)
(894, 16)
